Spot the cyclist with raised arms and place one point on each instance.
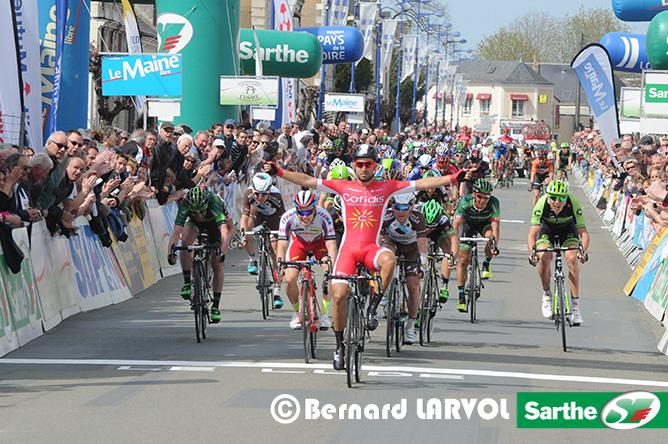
(303, 230)
(404, 233)
(262, 203)
(542, 170)
(201, 211)
(477, 214)
(558, 214)
(363, 206)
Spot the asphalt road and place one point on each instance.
(134, 373)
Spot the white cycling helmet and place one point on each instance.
(403, 199)
(262, 183)
(337, 162)
(424, 161)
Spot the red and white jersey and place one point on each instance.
(321, 227)
(363, 206)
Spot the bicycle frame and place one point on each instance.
(474, 283)
(265, 266)
(308, 307)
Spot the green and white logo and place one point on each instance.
(656, 93)
(174, 32)
(630, 410)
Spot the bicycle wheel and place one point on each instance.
(196, 301)
(562, 311)
(351, 326)
(391, 308)
(359, 347)
(473, 270)
(425, 310)
(304, 308)
(400, 322)
(313, 320)
(433, 308)
(264, 285)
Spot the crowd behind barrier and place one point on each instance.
(628, 204)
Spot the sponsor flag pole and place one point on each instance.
(594, 70)
(19, 73)
(352, 66)
(379, 40)
(321, 95)
(61, 22)
(133, 38)
(400, 55)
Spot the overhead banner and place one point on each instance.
(408, 56)
(27, 15)
(249, 91)
(387, 43)
(627, 51)
(347, 103)
(142, 75)
(367, 22)
(340, 44)
(338, 13)
(133, 39)
(284, 54)
(10, 88)
(638, 10)
(594, 71)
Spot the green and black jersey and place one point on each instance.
(571, 214)
(466, 211)
(216, 213)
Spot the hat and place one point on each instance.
(647, 140)
(365, 131)
(85, 134)
(230, 122)
(635, 149)
(218, 142)
(186, 128)
(166, 125)
(178, 130)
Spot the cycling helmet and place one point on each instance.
(304, 199)
(476, 154)
(340, 172)
(565, 145)
(442, 150)
(482, 186)
(364, 151)
(542, 153)
(424, 161)
(403, 199)
(391, 169)
(197, 200)
(429, 173)
(337, 202)
(262, 183)
(390, 153)
(557, 188)
(432, 210)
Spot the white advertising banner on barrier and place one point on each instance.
(346, 103)
(162, 224)
(45, 275)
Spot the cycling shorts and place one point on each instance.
(499, 154)
(473, 230)
(540, 181)
(209, 227)
(350, 256)
(299, 250)
(273, 221)
(411, 255)
(567, 233)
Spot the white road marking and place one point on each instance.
(138, 369)
(290, 372)
(323, 366)
(512, 221)
(192, 369)
(428, 375)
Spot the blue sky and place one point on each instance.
(476, 19)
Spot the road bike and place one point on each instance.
(202, 275)
(561, 301)
(474, 283)
(355, 335)
(396, 308)
(265, 276)
(429, 303)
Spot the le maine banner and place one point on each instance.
(142, 75)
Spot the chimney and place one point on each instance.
(536, 64)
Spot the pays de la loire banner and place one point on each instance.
(340, 44)
(143, 75)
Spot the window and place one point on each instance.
(518, 108)
(468, 104)
(484, 106)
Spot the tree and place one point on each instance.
(363, 76)
(544, 38)
(107, 107)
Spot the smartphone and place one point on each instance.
(98, 181)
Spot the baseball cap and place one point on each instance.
(635, 149)
(218, 142)
(647, 140)
(178, 130)
(365, 131)
(166, 125)
(230, 122)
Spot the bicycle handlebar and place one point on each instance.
(197, 247)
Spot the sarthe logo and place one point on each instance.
(174, 33)
(630, 410)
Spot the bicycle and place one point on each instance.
(309, 309)
(202, 275)
(355, 334)
(561, 302)
(396, 308)
(429, 304)
(265, 277)
(474, 283)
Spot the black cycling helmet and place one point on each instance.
(365, 151)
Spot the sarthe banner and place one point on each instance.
(408, 57)
(387, 42)
(594, 69)
(367, 22)
(133, 39)
(10, 88)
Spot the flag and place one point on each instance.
(408, 57)
(594, 69)
(423, 52)
(287, 111)
(338, 13)
(133, 38)
(10, 85)
(288, 102)
(282, 15)
(367, 21)
(61, 24)
(387, 42)
(27, 14)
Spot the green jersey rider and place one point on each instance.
(558, 214)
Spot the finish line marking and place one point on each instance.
(378, 368)
(512, 221)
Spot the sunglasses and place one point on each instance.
(365, 164)
(229, 126)
(481, 196)
(77, 144)
(401, 207)
(61, 146)
(558, 199)
(305, 212)
(168, 130)
(262, 194)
